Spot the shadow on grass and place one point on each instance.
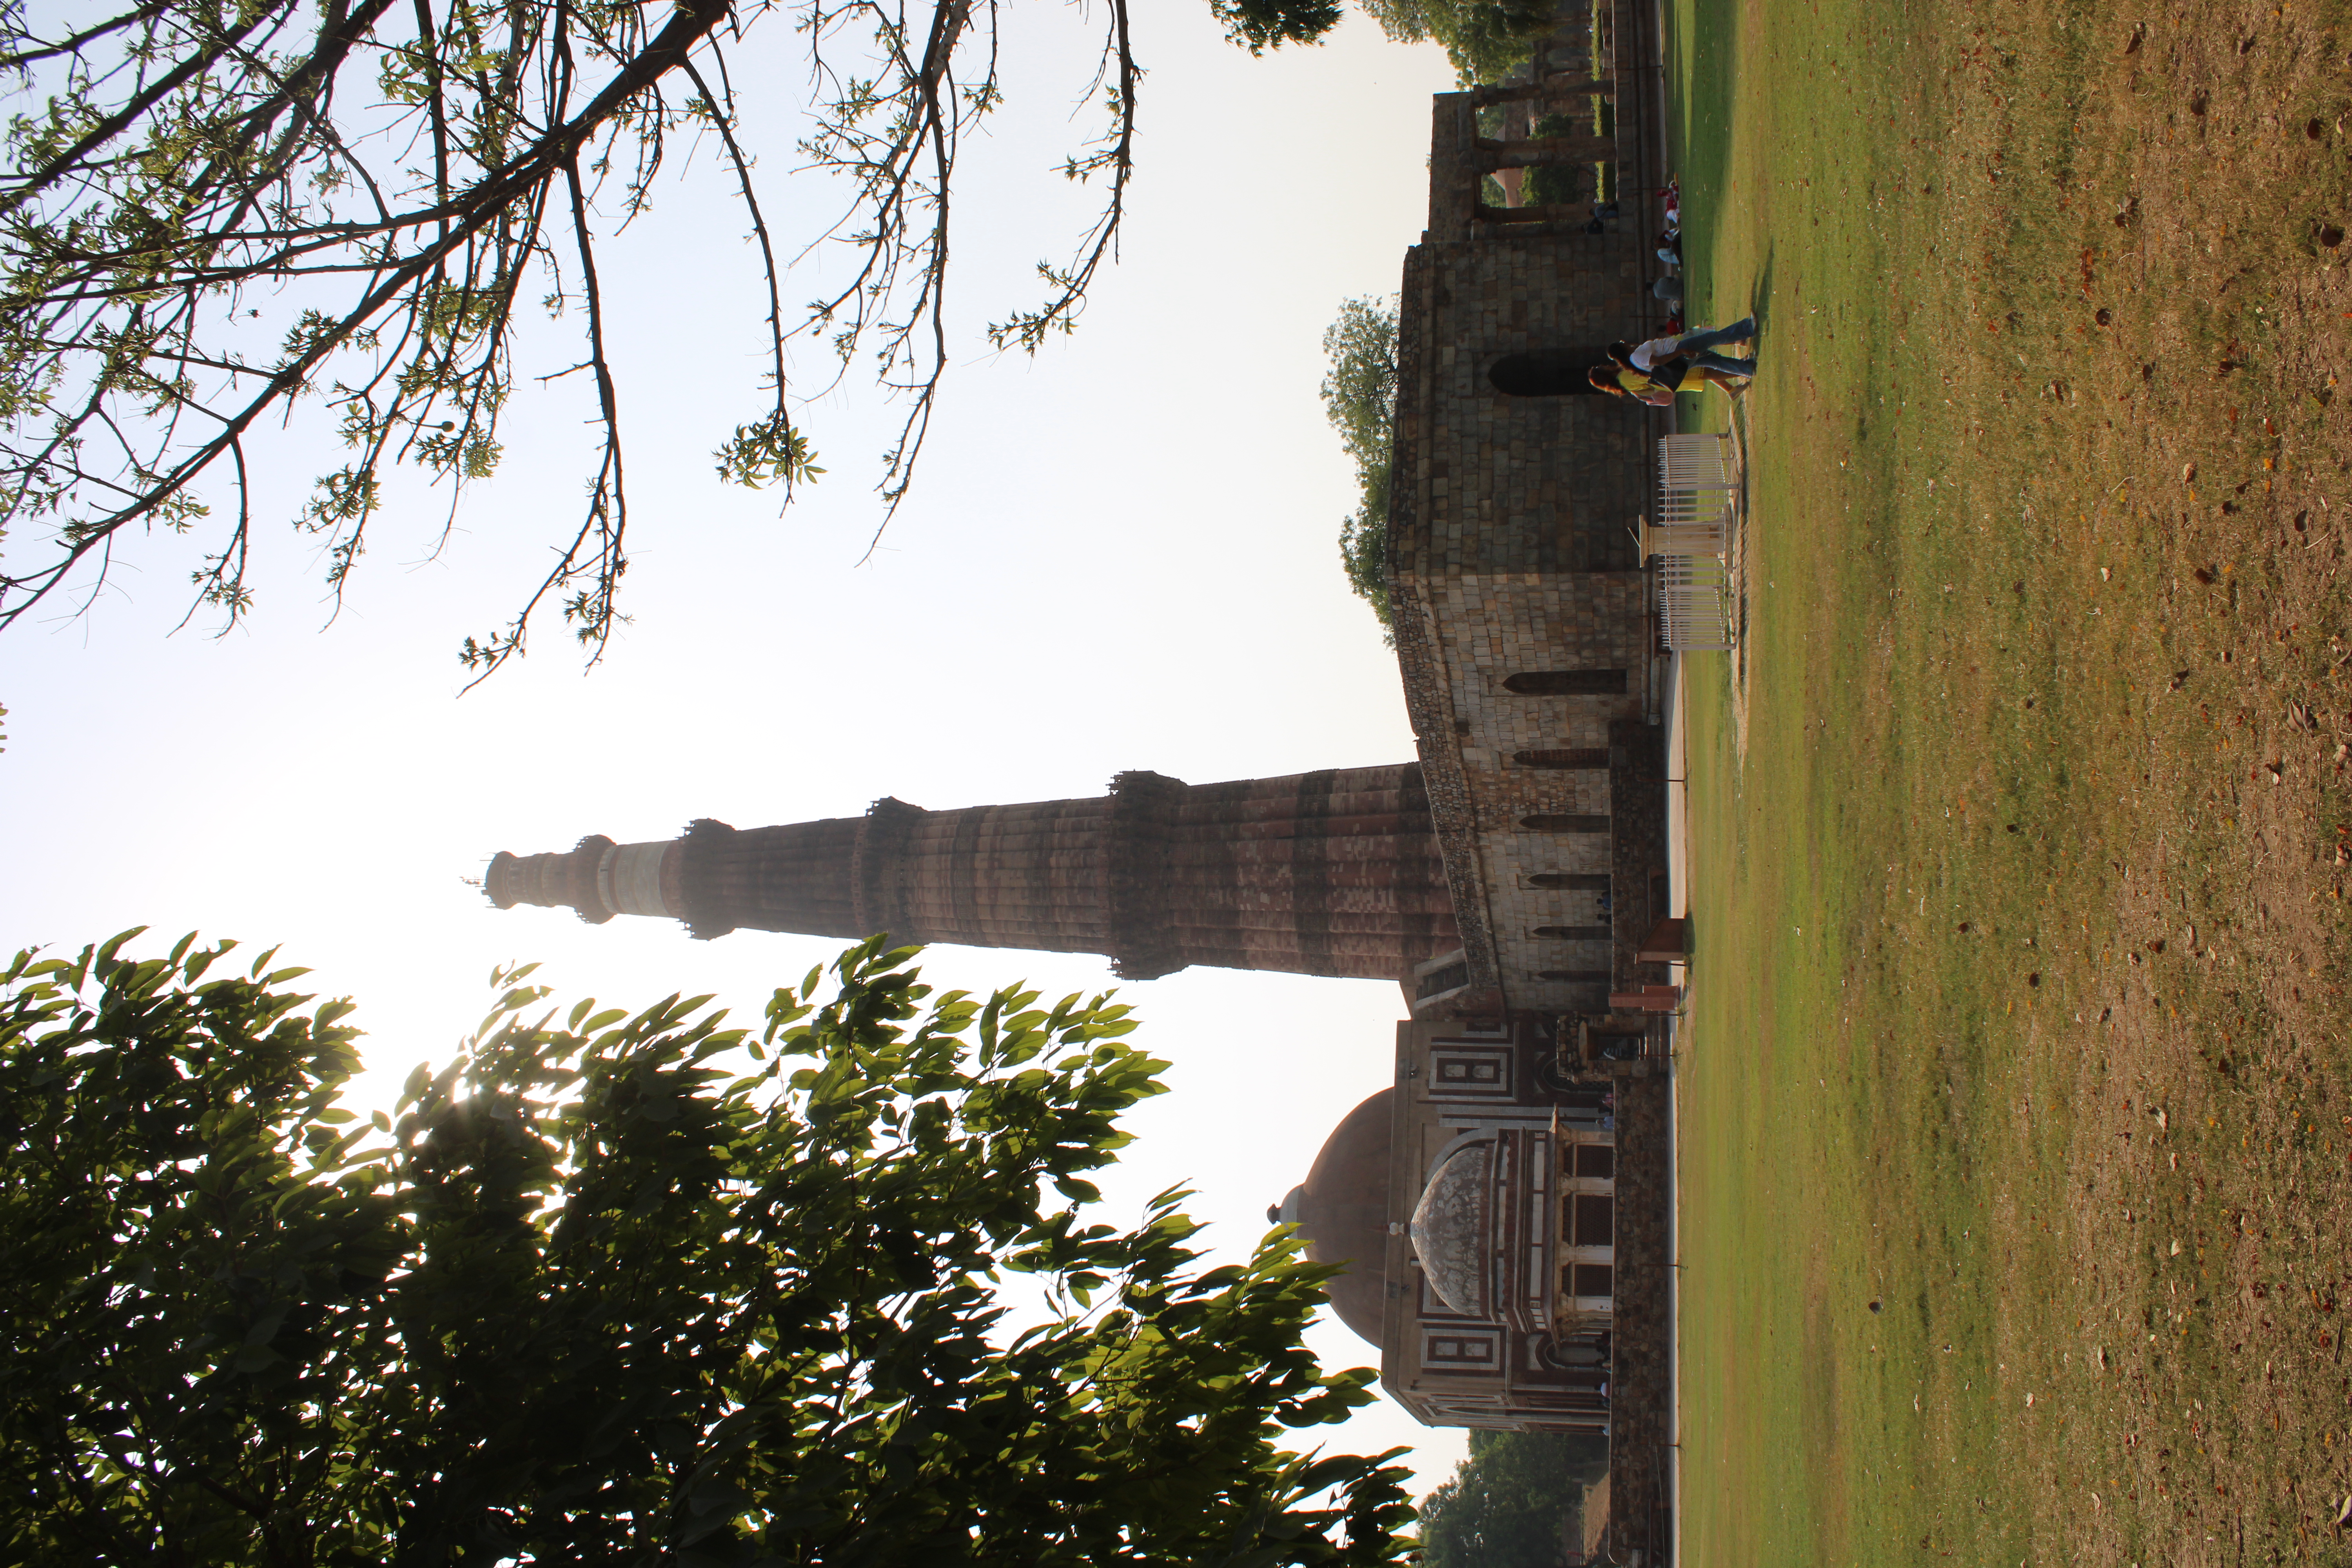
(1759, 291)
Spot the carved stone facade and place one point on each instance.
(1534, 679)
(1499, 1253)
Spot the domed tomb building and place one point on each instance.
(1474, 1209)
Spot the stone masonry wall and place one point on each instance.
(1640, 1383)
(1518, 484)
(1637, 833)
(1545, 621)
(1512, 549)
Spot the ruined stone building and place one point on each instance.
(1502, 1208)
(1526, 1209)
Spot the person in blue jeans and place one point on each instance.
(1693, 346)
(1658, 384)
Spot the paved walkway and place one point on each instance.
(1679, 860)
(1677, 800)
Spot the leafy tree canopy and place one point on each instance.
(1486, 39)
(209, 213)
(1359, 395)
(1556, 184)
(1504, 1506)
(592, 1298)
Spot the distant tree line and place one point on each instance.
(1486, 39)
(1512, 1502)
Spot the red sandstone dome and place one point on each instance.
(1342, 1210)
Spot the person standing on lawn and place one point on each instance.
(1695, 346)
(1658, 384)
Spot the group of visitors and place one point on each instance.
(1655, 370)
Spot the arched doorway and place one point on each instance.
(1546, 372)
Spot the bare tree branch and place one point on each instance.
(209, 216)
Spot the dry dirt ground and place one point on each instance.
(2022, 919)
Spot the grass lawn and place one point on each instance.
(2023, 828)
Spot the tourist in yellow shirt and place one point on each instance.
(1658, 384)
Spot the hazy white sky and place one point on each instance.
(1119, 555)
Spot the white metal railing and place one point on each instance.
(1687, 460)
(1692, 542)
(1694, 491)
(1695, 603)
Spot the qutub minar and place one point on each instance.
(1501, 1210)
(1332, 873)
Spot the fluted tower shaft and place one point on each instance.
(1325, 873)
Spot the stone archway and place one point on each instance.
(1546, 372)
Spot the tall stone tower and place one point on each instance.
(1325, 873)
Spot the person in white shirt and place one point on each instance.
(1647, 356)
(1657, 386)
